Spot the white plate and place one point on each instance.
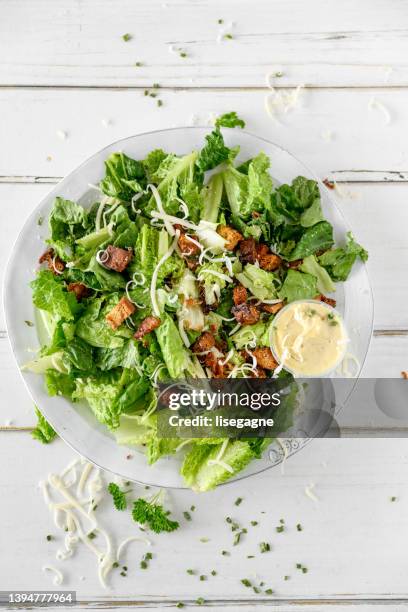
(74, 423)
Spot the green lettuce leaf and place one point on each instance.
(339, 262)
(93, 327)
(43, 430)
(229, 120)
(324, 282)
(172, 348)
(215, 152)
(123, 177)
(316, 238)
(298, 286)
(49, 294)
(58, 383)
(261, 284)
(249, 192)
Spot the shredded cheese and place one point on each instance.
(58, 576)
(153, 295)
(375, 104)
(309, 492)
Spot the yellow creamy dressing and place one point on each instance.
(308, 338)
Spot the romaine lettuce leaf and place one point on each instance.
(229, 120)
(261, 284)
(338, 262)
(215, 152)
(93, 328)
(123, 177)
(324, 282)
(173, 350)
(49, 294)
(251, 192)
(319, 237)
(298, 286)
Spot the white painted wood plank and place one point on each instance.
(348, 550)
(294, 605)
(321, 42)
(361, 139)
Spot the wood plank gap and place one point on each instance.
(203, 88)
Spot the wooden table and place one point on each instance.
(69, 85)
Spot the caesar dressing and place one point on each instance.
(308, 338)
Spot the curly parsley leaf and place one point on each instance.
(119, 497)
(153, 515)
(229, 120)
(43, 431)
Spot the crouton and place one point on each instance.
(231, 235)
(294, 265)
(246, 314)
(204, 343)
(239, 295)
(123, 309)
(247, 251)
(327, 300)
(147, 325)
(272, 308)
(187, 247)
(80, 290)
(54, 263)
(117, 259)
(264, 358)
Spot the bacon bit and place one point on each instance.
(294, 265)
(239, 295)
(246, 314)
(231, 235)
(147, 325)
(117, 259)
(187, 247)
(123, 309)
(272, 308)
(264, 358)
(247, 251)
(54, 263)
(326, 300)
(80, 290)
(329, 184)
(404, 374)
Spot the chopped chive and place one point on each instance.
(225, 553)
(40, 220)
(393, 499)
(124, 567)
(286, 577)
(255, 589)
(269, 591)
(250, 556)
(299, 527)
(204, 540)
(143, 564)
(126, 37)
(155, 85)
(247, 583)
(115, 564)
(179, 604)
(304, 570)
(228, 519)
(153, 95)
(220, 21)
(191, 572)
(200, 601)
(123, 574)
(264, 547)
(228, 36)
(278, 74)
(213, 573)
(254, 523)
(159, 103)
(91, 535)
(202, 577)
(145, 93)
(49, 538)
(298, 566)
(280, 528)
(192, 508)
(187, 515)
(138, 64)
(282, 521)
(183, 54)
(238, 501)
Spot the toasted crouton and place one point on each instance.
(117, 259)
(231, 235)
(246, 314)
(123, 309)
(265, 358)
(239, 295)
(327, 300)
(147, 325)
(272, 308)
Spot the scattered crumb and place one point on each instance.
(129, 456)
(48, 158)
(404, 374)
(328, 184)
(62, 135)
